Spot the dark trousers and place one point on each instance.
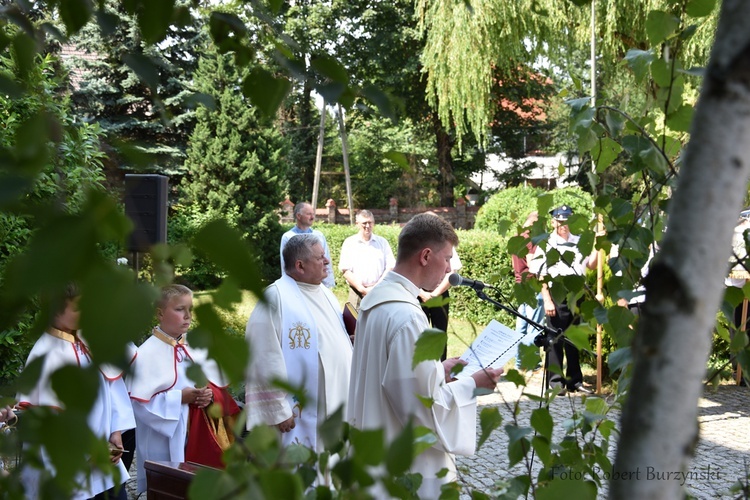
(116, 493)
(562, 319)
(438, 318)
(128, 442)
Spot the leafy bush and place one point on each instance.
(184, 222)
(508, 208)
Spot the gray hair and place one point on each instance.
(299, 247)
(298, 208)
(365, 214)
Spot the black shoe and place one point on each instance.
(558, 385)
(579, 387)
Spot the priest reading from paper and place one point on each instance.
(386, 392)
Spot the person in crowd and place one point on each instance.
(297, 337)
(386, 391)
(365, 258)
(738, 277)
(438, 315)
(559, 315)
(304, 217)
(534, 312)
(168, 404)
(62, 345)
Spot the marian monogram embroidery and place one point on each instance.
(299, 336)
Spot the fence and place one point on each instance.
(462, 216)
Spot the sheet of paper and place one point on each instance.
(494, 347)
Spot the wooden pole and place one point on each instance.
(319, 156)
(600, 223)
(738, 374)
(600, 298)
(345, 153)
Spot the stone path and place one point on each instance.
(721, 458)
(722, 455)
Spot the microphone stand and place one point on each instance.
(547, 339)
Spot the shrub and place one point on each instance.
(508, 208)
(184, 222)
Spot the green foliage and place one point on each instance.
(154, 116)
(67, 170)
(184, 222)
(375, 177)
(57, 228)
(508, 209)
(235, 160)
(480, 39)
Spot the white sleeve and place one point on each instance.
(345, 257)
(122, 410)
(536, 262)
(452, 416)
(162, 413)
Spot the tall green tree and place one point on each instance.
(153, 118)
(236, 158)
(59, 174)
(466, 42)
(382, 47)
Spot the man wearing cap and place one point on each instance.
(559, 316)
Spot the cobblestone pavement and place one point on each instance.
(721, 458)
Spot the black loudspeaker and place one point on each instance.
(146, 206)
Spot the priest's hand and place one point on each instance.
(448, 365)
(487, 378)
(287, 425)
(115, 446)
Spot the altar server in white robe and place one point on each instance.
(160, 389)
(385, 390)
(61, 345)
(297, 336)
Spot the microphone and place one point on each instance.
(456, 279)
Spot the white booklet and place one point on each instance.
(494, 347)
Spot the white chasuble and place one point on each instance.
(297, 337)
(385, 390)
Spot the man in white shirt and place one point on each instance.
(559, 315)
(304, 217)
(297, 337)
(365, 258)
(386, 392)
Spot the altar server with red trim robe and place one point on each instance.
(164, 397)
(59, 346)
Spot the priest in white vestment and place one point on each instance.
(385, 390)
(297, 336)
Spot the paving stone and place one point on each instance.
(722, 455)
